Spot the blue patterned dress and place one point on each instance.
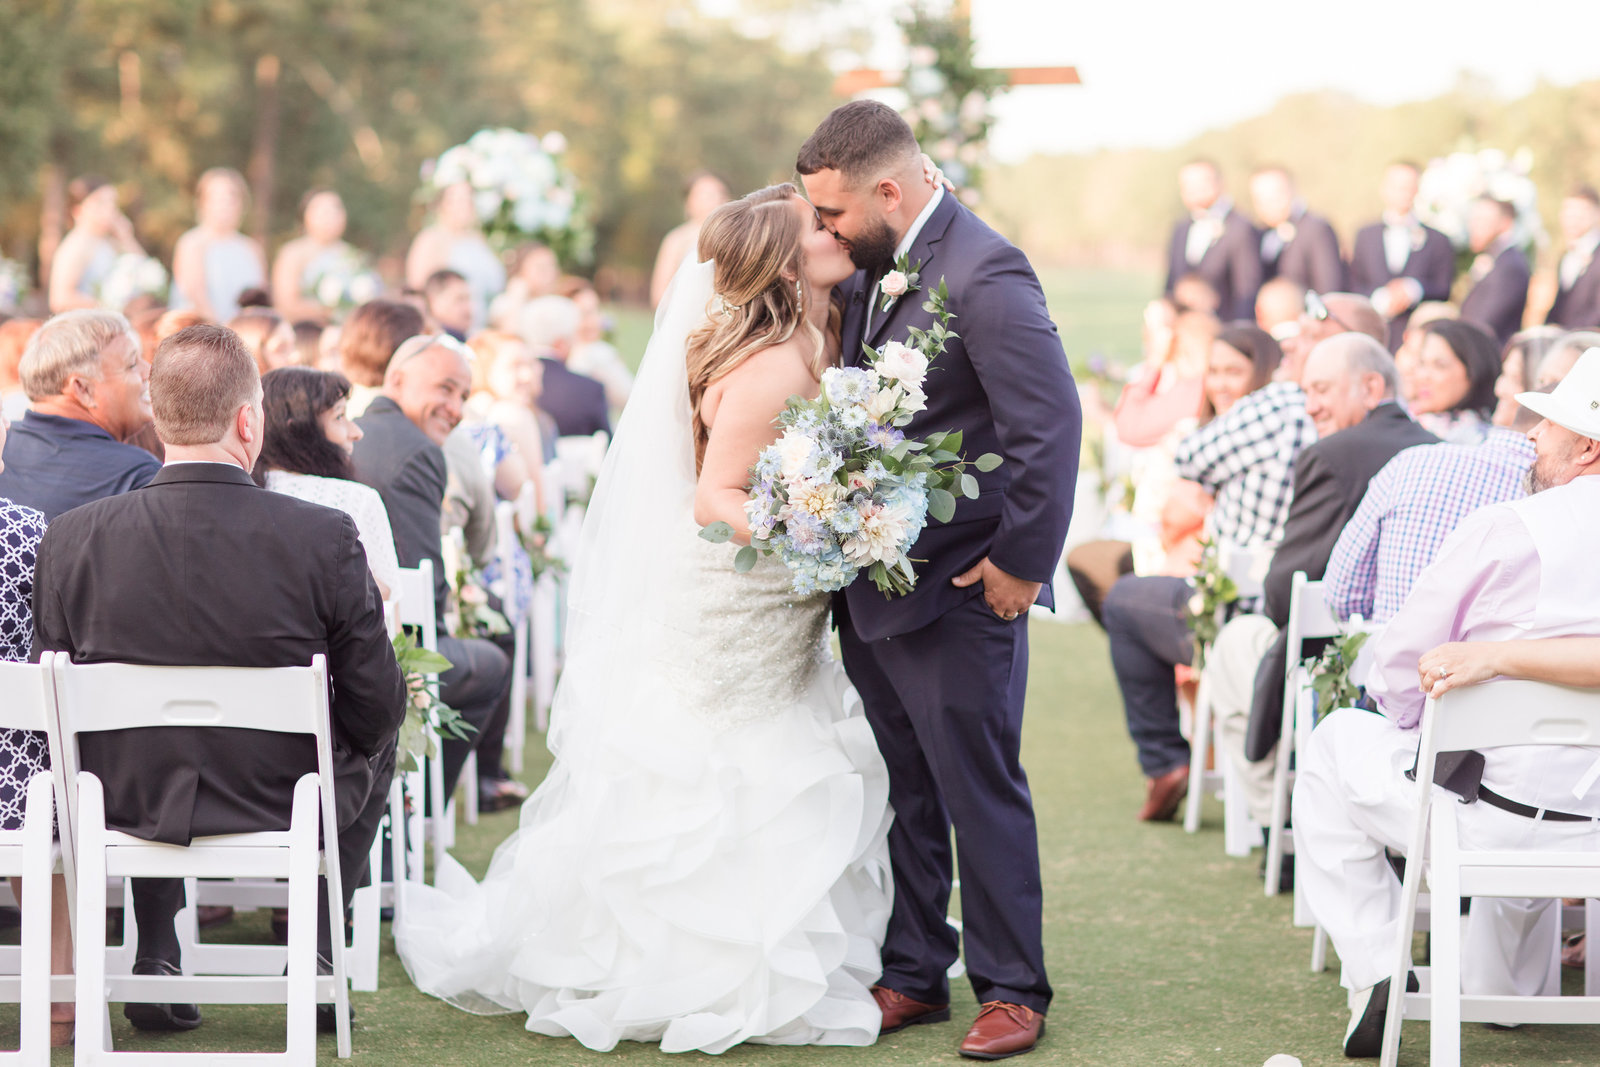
(23, 753)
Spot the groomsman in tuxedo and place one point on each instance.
(943, 670)
(1397, 261)
(1577, 303)
(1215, 242)
(1500, 274)
(1295, 244)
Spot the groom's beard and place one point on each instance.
(872, 249)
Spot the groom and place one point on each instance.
(943, 670)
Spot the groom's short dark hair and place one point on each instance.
(861, 140)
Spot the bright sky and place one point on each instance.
(1157, 72)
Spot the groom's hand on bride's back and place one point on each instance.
(1007, 595)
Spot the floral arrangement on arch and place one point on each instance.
(132, 274)
(949, 95)
(14, 283)
(844, 490)
(522, 190)
(1450, 184)
(345, 283)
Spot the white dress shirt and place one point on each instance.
(1576, 260)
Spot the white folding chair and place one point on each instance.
(417, 610)
(294, 700)
(505, 516)
(1491, 715)
(30, 853)
(1239, 833)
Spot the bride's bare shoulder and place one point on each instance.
(773, 368)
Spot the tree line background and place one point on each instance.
(356, 94)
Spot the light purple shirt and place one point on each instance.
(1522, 569)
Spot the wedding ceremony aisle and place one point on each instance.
(1162, 950)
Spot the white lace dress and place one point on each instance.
(716, 873)
(363, 504)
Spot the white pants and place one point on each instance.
(1351, 800)
(1231, 667)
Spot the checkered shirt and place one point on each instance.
(1245, 459)
(1411, 505)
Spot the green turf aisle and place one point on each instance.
(1162, 949)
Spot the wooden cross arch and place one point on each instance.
(853, 82)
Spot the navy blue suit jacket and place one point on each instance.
(1004, 383)
(1433, 266)
(1312, 258)
(1496, 303)
(54, 464)
(1232, 265)
(575, 401)
(1579, 307)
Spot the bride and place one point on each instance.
(706, 862)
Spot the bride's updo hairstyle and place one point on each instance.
(760, 294)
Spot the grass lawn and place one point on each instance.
(1162, 950)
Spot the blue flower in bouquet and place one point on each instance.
(805, 534)
(854, 417)
(846, 518)
(848, 386)
(875, 470)
(884, 437)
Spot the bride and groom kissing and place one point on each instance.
(737, 842)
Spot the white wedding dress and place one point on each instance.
(706, 863)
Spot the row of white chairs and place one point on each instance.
(65, 700)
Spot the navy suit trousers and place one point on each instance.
(1147, 626)
(945, 703)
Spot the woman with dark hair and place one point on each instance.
(1519, 369)
(1452, 394)
(1242, 360)
(367, 341)
(305, 453)
(267, 335)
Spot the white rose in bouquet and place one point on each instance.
(902, 363)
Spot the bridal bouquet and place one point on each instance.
(344, 283)
(843, 489)
(521, 188)
(131, 275)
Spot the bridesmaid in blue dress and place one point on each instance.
(213, 263)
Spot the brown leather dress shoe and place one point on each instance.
(900, 1011)
(1163, 794)
(1002, 1030)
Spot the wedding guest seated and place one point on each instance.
(577, 403)
(268, 337)
(305, 453)
(1410, 350)
(367, 341)
(1245, 459)
(1522, 569)
(89, 389)
(507, 381)
(1295, 243)
(592, 354)
(1350, 385)
(400, 455)
(535, 272)
(308, 343)
(449, 299)
(1518, 366)
(305, 592)
(14, 336)
(1279, 305)
(1500, 274)
(173, 320)
(1452, 386)
(1193, 293)
(213, 264)
(1323, 316)
(1577, 302)
(24, 753)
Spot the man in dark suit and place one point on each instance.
(1500, 274)
(1397, 261)
(244, 578)
(1215, 242)
(943, 670)
(575, 401)
(1350, 384)
(1577, 303)
(1295, 243)
(400, 455)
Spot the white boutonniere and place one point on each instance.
(1286, 232)
(900, 281)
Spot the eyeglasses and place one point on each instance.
(1318, 310)
(412, 347)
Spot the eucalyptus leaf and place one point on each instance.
(969, 487)
(717, 533)
(745, 558)
(941, 504)
(952, 441)
(987, 462)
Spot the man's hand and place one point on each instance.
(1006, 595)
(1456, 664)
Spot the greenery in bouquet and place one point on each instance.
(345, 283)
(469, 613)
(1330, 673)
(132, 274)
(1451, 183)
(427, 717)
(1214, 592)
(522, 191)
(14, 282)
(536, 543)
(843, 489)
(949, 94)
